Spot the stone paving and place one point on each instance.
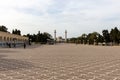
(60, 62)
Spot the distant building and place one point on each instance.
(60, 40)
(8, 38)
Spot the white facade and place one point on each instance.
(8, 38)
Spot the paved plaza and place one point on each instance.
(60, 62)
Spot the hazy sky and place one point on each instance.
(75, 16)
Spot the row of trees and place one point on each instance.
(39, 37)
(106, 37)
(16, 31)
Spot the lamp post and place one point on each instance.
(54, 36)
(65, 35)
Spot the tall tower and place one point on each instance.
(65, 35)
(55, 35)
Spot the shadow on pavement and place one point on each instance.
(13, 64)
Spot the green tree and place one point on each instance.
(40, 37)
(73, 40)
(100, 38)
(106, 36)
(84, 38)
(3, 28)
(93, 37)
(115, 35)
(45, 36)
(18, 32)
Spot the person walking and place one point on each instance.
(24, 45)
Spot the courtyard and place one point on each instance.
(60, 62)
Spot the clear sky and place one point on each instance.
(75, 16)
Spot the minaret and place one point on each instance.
(65, 35)
(55, 35)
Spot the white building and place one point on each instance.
(8, 38)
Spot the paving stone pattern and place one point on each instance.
(60, 67)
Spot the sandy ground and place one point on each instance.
(60, 62)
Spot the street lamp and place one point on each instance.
(55, 36)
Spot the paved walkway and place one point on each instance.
(60, 62)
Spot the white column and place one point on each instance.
(65, 35)
(54, 35)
